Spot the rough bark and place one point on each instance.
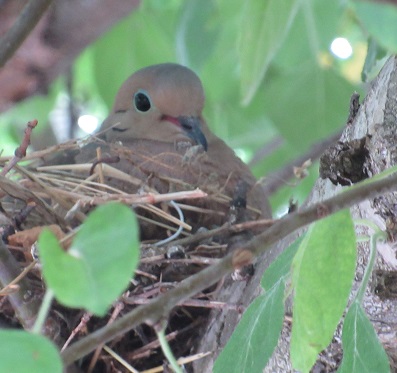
(368, 144)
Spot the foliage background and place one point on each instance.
(270, 79)
(272, 84)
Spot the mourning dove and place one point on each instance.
(157, 130)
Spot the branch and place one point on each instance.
(278, 178)
(266, 150)
(159, 308)
(25, 23)
(20, 152)
(25, 306)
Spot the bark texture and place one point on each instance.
(367, 146)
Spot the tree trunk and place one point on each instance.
(367, 147)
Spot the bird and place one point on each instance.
(158, 135)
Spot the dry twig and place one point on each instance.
(26, 21)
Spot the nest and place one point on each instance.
(59, 196)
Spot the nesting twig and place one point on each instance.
(26, 21)
(148, 198)
(117, 309)
(66, 192)
(82, 324)
(9, 271)
(20, 152)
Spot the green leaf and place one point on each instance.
(264, 26)
(22, 352)
(197, 32)
(138, 41)
(380, 20)
(261, 324)
(314, 105)
(100, 262)
(111, 47)
(374, 53)
(312, 31)
(362, 351)
(323, 272)
(256, 336)
(36, 107)
(281, 267)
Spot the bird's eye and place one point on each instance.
(142, 101)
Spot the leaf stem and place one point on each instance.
(167, 351)
(159, 307)
(368, 271)
(43, 311)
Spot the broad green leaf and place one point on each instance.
(36, 107)
(374, 53)
(322, 276)
(113, 58)
(314, 105)
(84, 68)
(261, 324)
(281, 267)
(380, 20)
(241, 127)
(220, 74)
(362, 351)
(264, 26)
(247, 127)
(138, 41)
(85, 85)
(197, 32)
(256, 336)
(22, 352)
(100, 262)
(314, 27)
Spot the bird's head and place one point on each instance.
(162, 103)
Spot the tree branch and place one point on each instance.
(160, 307)
(278, 178)
(26, 21)
(25, 306)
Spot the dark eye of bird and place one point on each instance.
(142, 101)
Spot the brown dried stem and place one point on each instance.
(279, 178)
(160, 307)
(25, 23)
(25, 306)
(20, 152)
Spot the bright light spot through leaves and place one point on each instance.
(341, 48)
(88, 123)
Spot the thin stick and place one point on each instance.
(5, 289)
(160, 307)
(26, 312)
(20, 152)
(27, 20)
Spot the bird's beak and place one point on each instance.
(192, 127)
